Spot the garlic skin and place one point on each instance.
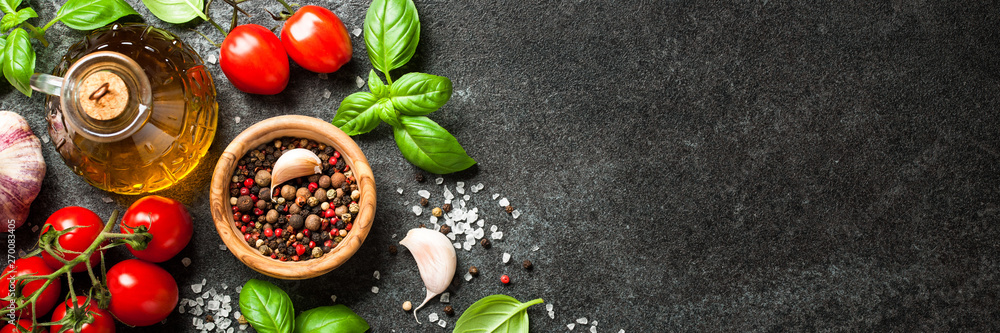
(435, 258)
(22, 167)
(294, 163)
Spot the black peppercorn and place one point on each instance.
(393, 250)
(527, 264)
(485, 243)
(445, 229)
(448, 310)
(424, 202)
(509, 209)
(446, 208)
(473, 270)
(419, 177)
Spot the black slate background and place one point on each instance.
(682, 166)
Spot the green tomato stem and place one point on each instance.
(287, 6)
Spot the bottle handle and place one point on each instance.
(48, 84)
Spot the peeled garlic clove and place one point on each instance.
(22, 167)
(435, 258)
(293, 164)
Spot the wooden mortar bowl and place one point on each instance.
(265, 132)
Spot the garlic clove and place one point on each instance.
(435, 258)
(22, 167)
(293, 164)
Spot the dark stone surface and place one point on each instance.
(681, 166)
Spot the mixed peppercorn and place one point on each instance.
(303, 218)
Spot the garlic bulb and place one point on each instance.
(435, 259)
(293, 164)
(22, 167)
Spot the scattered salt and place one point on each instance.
(212, 306)
(451, 235)
(457, 245)
(399, 190)
(468, 276)
(424, 194)
(377, 275)
(107, 199)
(236, 119)
(581, 320)
(497, 235)
(445, 297)
(552, 315)
(211, 59)
(621, 331)
(222, 247)
(593, 329)
(356, 32)
(479, 233)
(196, 288)
(460, 190)
(477, 187)
(506, 257)
(533, 249)
(442, 323)
(570, 326)
(496, 195)
(433, 219)
(467, 246)
(504, 202)
(180, 309)
(493, 228)
(593, 322)
(439, 180)
(459, 184)
(209, 326)
(467, 198)
(549, 307)
(374, 290)
(358, 81)
(186, 261)
(45, 138)
(326, 93)
(447, 194)
(432, 317)
(237, 314)
(333, 298)
(417, 210)
(515, 214)
(481, 223)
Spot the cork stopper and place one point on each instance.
(103, 95)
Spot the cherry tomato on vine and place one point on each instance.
(254, 60)
(102, 323)
(316, 39)
(31, 266)
(24, 323)
(89, 226)
(166, 219)
(142, 293)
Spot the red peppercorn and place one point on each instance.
(305, 232)
(299, 250)
(329, 213)
(237, 216)
(253, 197)
(277, 232)
(312, 187)
(333, 160)
(268, 233)
(239, 224)
(246, 237)
(243, 229)
(328, 243)
(347, 168)
(258, 211)
(334, 232)
(246, 218)
(236, 209)
(250, 224)
(349, 226)
(277, 192)
(244, 191)
(274, 256)
(336, 154)
(248, 183)
(326, 224)
(504, 279)
(284, 259)
(312, 244)
(295, 258)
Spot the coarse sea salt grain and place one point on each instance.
(497, 235)
(467, 198)
(433, 219)
(504, 202)
(442, 323)
(460, 190)
(107, 199)
(593, 322)
(326, 93)
(493, 228)
(333, 298)
(581, 320)
(196, 288)
(447, 194)
(451, 235)
(439, 180)
(533, 249)
(417, 210)
(374, 290)
(211, 59)
(467, 246)
(468, 276)
(481, 223)
(377, 275)
(570, 326)
(621, 331)
(552, 315)
(506, 257)
(593, 329)
(549, 307)
(457, 245)
(356, 32)
(496, 195)
(445, 297)
(432, 317)
(222, 247)
(424, 194)
(515, 214)
(399, 190)
(358, 81)
(236, 119)
(186, 261)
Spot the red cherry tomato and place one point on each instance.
(24, 323)
(89, 226)
(316, 39)
(31, 266)
(103, 322)
(142, 293)
(166, 219)
(254, 60)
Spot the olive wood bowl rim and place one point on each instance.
(265, 132)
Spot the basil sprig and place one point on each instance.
(495, 313)
(392, 30)
(18, 56)
(338, 318)
(267, 307)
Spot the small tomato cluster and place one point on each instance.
(256, 61)
(136, 291)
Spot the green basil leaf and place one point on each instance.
(3, 42)
(9, 6)
(337, 318)
(387, 113)
(357, 114)
(495, 313)
(429, 146)
(267, 307)
(392, 29)
(19, 60)
(10, 21)
(92, 14)
(376, 86)
(176, 11)
(417, 94)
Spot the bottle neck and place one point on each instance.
(106, 96)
